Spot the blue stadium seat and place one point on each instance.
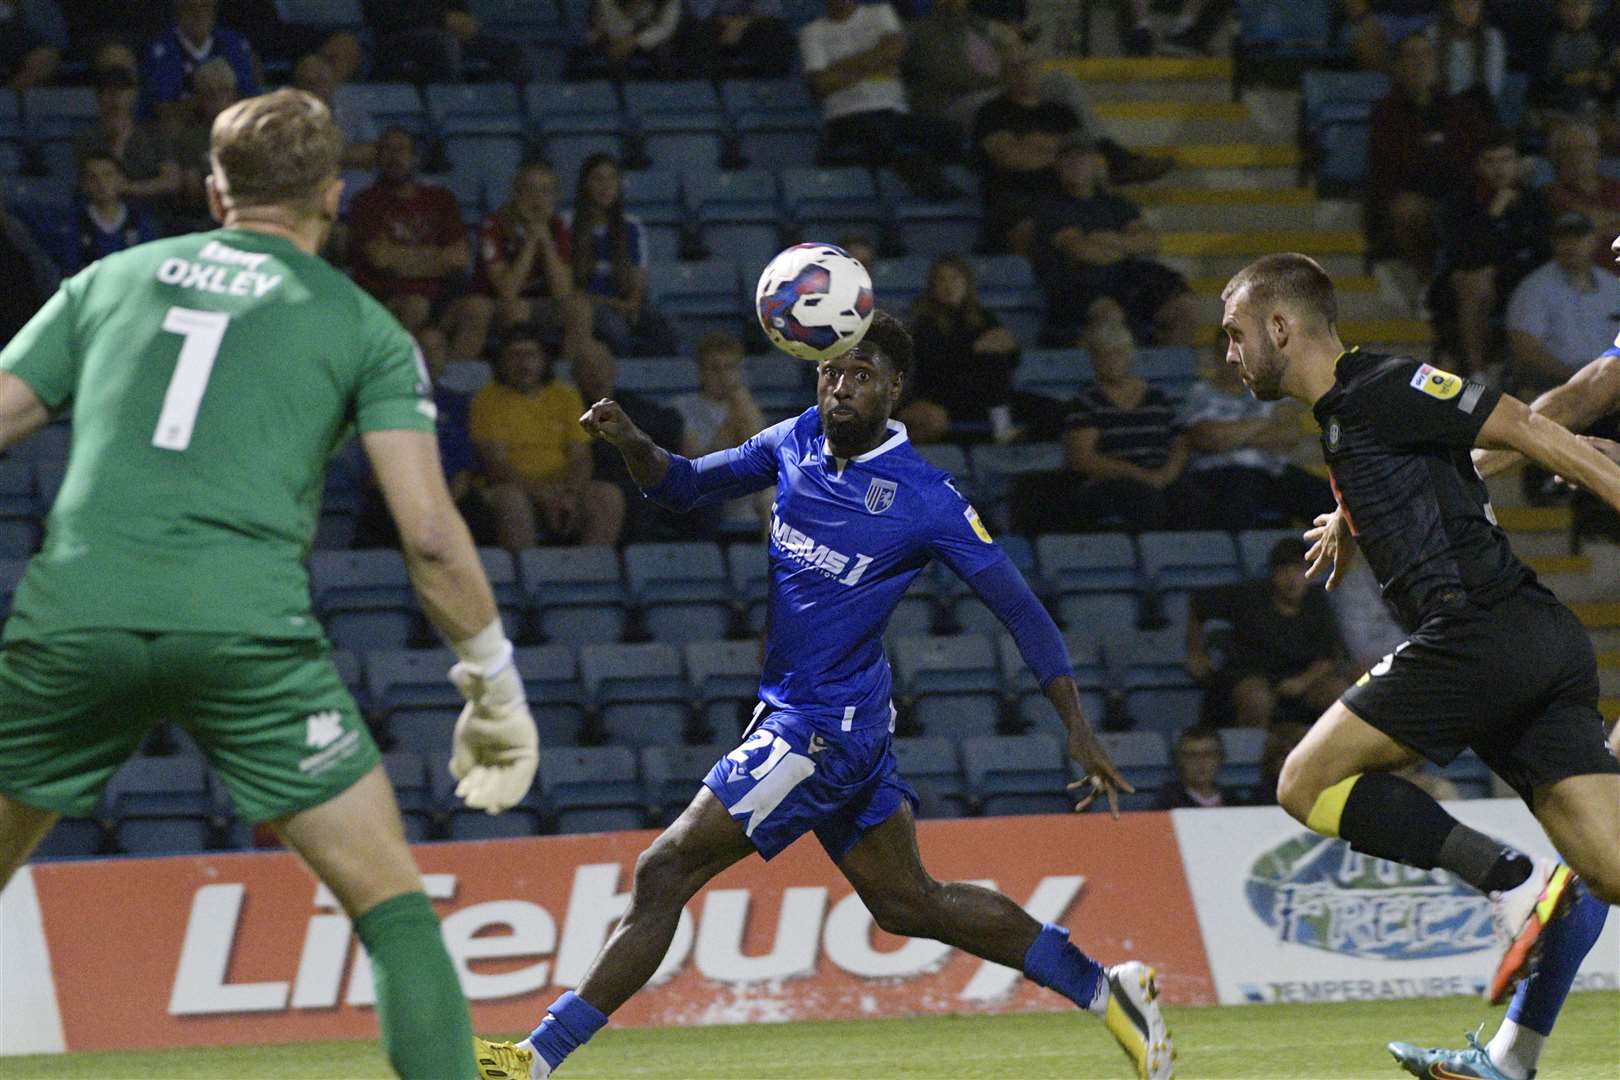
(1088, 562)
(466, 376)
(748, 570)
(50, 443)
(1035, 713)
(737, 212)
(1006, 281)
(388, 104)
(946, 456)
(1017, 774)
(483, 168)
(550, 675)
(161, 804)
(11, 572)
(703, 295)
(776, 120)
(19, 508)
(1166, 709)
(1281, 40)
(934, 665)
(364, 597)
(407, 679)
(1172, 368)
(501, 570)
(659, 376)
(649, 671)
(72, 837)
(1142, 756)
(1336, 108)
(725, 678)
(957, 716)
(779, 384)
(428, 732)
(511, 824)
(1085, 655)
(1254, 548)
(333, 14)
(1189, 560)
(677, 106)
(931, 766)
(1099, 614)
(574, 108)
(917, 613)
(583, 779)
(900, 280)
(681, 588)
(672, 775)
(474, 108)
(1056, 373)
(1148, 658)
(1341, 160)
(816, 198)
(576, 593)
(349, 670)
(11, 118)
(408, 773)
(995, 466)
(58, 112)
(567, 152)
(654, 195)
(935, 227)
(532, 19)
(1243, 746)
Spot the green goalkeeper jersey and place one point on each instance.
(210, 378)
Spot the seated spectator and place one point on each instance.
(1016, 138)
(609, 253)
(1369, 28)
(1242, 465)
(195, 38)
(736, 39)
(1195, 24)
(536, 458)
(316, 75)
(1199, 756)
(1575, 150)
(1473, 53)
(1421, 148)
(951, 66)
(214, 89)
(146, 157)
(104, 222)
(1093, 256)
(424, 41)
(1282, 652)
(1575, 72)
(1495, 232)
(596, 375)
(409, 250)
(1124, 446)
(629, 39)
(723, 413)
(28, 276)
(1564, 313)
(285, 42)
(851, 57)
(525, 261)
(970, 357)
(28, 57)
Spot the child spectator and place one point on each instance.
(409, 250)
(971, 357)
(525, 261)
(1199, 756)
(609, 253)
(536, 457)
(105, 223)
(146, 157)
(723, 414)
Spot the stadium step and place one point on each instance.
(1536, 530)
(1222, 178)
(1137, 69)
(1609, 707)
(1392, 333)
(1356, 302)
(1215, 210)
(1255, 243)
(1230, 155)
(1224, 264)
(1171, 123)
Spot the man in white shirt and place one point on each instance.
(851, 60)
(1565, 312)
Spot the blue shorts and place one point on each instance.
(789, 777)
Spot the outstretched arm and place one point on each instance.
(682, 483)
(1513, 426)
(1592, 392)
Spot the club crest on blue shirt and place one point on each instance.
(879, 496)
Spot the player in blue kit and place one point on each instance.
(858, 514)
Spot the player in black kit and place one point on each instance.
(1494, 661)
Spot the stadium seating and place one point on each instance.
(654, 195)
(573, 108)
(1088, 562)
(932, 227)
(823, 201)
(325, 14)
(1017, 774)
(1168, 710)
(1189, 560)
(474, 109)
(388, 104)
(405, 680)
(593, 789)
(1142, 658)
(703, 295)
(776, 121)
(931, 766)
(672, 775)
(161, 804)
(575, 593)
(408, 773)
(725, 680)
(1276, 42)
(680, 589)
(1142, 756)
(748, 570)
(638, 693)
(954, 683)
(55, 113)
(1254, 548)
(364, 598)
(737, 212)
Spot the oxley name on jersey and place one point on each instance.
(796, 545)
(206, 276)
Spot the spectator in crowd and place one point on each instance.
(596, 375)
(851, 58)
(525, 261)
(276, 39)
(747, 39)
(1576, 72)
(536, 457)
(1196, 22)
(861, 247)
(1575, 150)
(114, 55)
(1016, 140)
(213, 90)
(952, 64)
(1123, 444)
(1564, 313)
(1369, 28)
(148, 161)
(104, 223)
(425, 41)
(195, 38)
(1421, 147)
(316, 75)
(630, 39)
(1093, 256)
(28, 57)
(1242, 466)
(1282, 653)
(1199, 756)
(1495, 232)
(1473, 53)
(971, 357)
(609, 253)
(722, 413)
(409, 250)
(28, 276)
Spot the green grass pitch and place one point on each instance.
(1308, 1042)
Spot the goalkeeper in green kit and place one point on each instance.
(210, 377)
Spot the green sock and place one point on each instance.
(425, 1027)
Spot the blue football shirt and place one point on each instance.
(847, 537)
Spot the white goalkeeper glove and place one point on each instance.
(496, 749)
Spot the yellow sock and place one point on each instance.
(1329, 807)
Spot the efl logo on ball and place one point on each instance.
(814, 301)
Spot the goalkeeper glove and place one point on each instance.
(496, 749)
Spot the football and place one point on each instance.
(814, 301)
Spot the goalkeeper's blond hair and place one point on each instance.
(277, 150)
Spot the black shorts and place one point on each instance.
(1517, 682)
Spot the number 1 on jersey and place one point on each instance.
(203, 332)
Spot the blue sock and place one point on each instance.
(1057, 965)
(1567, 942)
(569, 1024)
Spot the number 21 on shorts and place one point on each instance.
(203, 332)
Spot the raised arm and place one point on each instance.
(1513, 426)
(1592, 392)
(682, 483)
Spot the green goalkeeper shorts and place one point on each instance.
(273, 717)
